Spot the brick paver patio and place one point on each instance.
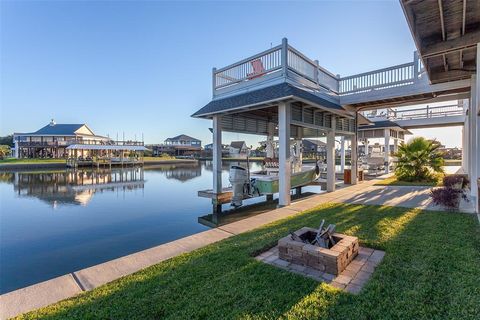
(352, 279)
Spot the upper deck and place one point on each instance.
(284, 63)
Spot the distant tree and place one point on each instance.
(7, 140)
(419, 160)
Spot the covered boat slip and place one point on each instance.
(276, 106)
(378, 156)
(105, 155)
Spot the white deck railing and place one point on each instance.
(289, 63)
(427, 112)
(417, 113)
(280, 61)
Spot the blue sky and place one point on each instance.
(145, 66)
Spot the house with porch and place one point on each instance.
(52, 140)
(181, 145)
(281, 92)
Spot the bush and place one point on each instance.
(452, 180)
(418, 160)
(447, 197)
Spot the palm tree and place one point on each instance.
(418, 160)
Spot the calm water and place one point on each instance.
(56, 222)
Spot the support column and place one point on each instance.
(270, 149)
(17, 150)
(465, 137)
(217, 154)
(331, 158)
(474, 150)
(472, 145)
(387, 150)
(298, 149)
(342, 153)
(354, 159)
(285, 167)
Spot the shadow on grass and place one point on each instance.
(427, 273)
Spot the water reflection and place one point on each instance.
(180, 172)
(75, 187)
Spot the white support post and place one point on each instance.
(217, 154)
(270, 148)
(331, 158)
(466, 140)
(285, 166)
(472, 145)
(354, 159)
(387, 151)
(342, 153)
(298, 148)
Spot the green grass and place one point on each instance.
(31, 161)
(393, 181)
(430, 271)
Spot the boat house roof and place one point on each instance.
(264, 96)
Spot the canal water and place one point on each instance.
(59, 221)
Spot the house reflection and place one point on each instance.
(75, 187)
(181, 172)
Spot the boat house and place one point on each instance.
(282, 92)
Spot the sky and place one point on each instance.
(143, 67)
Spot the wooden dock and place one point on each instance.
(217, 198)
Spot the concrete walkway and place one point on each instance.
(51, 291)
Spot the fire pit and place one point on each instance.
(333, 258)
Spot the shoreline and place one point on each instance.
(63, 165)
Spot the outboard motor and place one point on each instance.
(239, 181)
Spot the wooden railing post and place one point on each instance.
(284, 57)
(214, 81)
(415, 66)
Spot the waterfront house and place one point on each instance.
(52, 140)
(238, 149)
(181, 145)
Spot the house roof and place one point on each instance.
(58, 129)
(237, 144)
(382, 124)
(182, 137)
(257, 97)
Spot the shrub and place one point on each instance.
(451, 180)
(418, 160)
(447, 197)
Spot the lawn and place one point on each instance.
(31, 161)
(393, 181)
(430, 271)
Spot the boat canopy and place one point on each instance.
(106, 147)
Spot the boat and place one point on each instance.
(266, 182)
